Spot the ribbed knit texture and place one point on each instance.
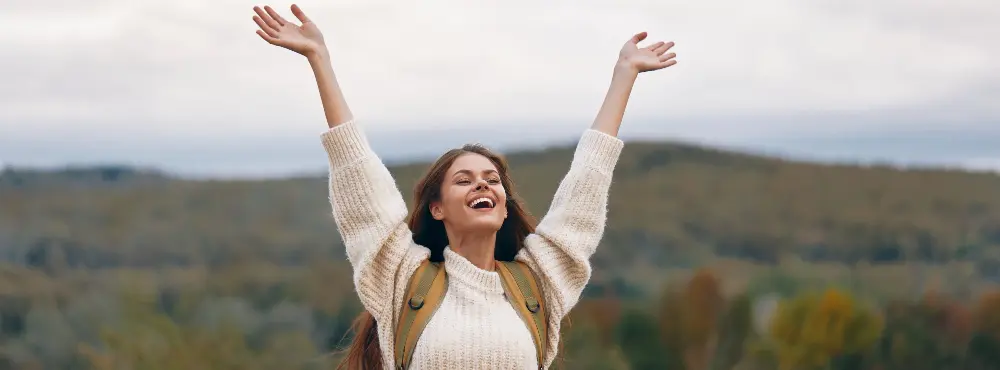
(474, 328)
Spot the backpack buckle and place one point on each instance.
(416, 302)
(532, 304)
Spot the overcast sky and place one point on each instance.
(188, 86)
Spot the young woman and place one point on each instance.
(467, 215)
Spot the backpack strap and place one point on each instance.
(521, 287)
(423, 295)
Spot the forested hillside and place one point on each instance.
(669, 203)
(92, 258)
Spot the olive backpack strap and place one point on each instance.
(522, 289)
(424, 294)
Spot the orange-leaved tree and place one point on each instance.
(689, 317)
(702, 305)
(985, 345)
(811, 330)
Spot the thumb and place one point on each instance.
(299, 14)
(638, 37)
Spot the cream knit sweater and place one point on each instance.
(474, 328)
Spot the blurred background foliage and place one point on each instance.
(712, 260)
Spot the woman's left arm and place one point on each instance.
(631, 61)
(565, 239)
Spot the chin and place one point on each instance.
(484, 224)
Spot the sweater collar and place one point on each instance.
(462, 270)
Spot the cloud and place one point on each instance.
(137, 72)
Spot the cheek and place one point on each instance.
(502, 197)
(454, 199)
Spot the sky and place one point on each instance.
(188, 87)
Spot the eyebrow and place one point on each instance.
(470, 173)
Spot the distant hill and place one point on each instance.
(672, 204)
(97, 176)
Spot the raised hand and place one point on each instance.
(305, 39)
(649, 58)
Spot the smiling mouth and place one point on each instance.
(481, 203)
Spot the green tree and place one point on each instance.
(930, 334)
(583, 349)
(735, 327)
(148, 340)
(640, 343)
(671, 330)
(985, 345)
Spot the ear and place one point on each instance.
(436, 211)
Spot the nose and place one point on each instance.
(482, 186)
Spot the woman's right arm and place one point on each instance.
(368, 209)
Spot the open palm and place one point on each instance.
(649, 58)
(274, 29)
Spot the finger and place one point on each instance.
(277, 17)
(267, 19)
(269, 39)
(638, 37)
(654, 46)
(299, 14)
(264, 27)
(668, 57)
(663, 48)
(668, 63)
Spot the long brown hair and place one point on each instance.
(364, 351)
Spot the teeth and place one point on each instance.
(480, 200)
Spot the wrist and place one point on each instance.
(319, 55)
(625, 68)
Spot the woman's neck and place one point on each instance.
(477, 248)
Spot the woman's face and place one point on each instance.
(472, 197)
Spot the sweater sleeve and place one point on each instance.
(560, 249)
(370, 214)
